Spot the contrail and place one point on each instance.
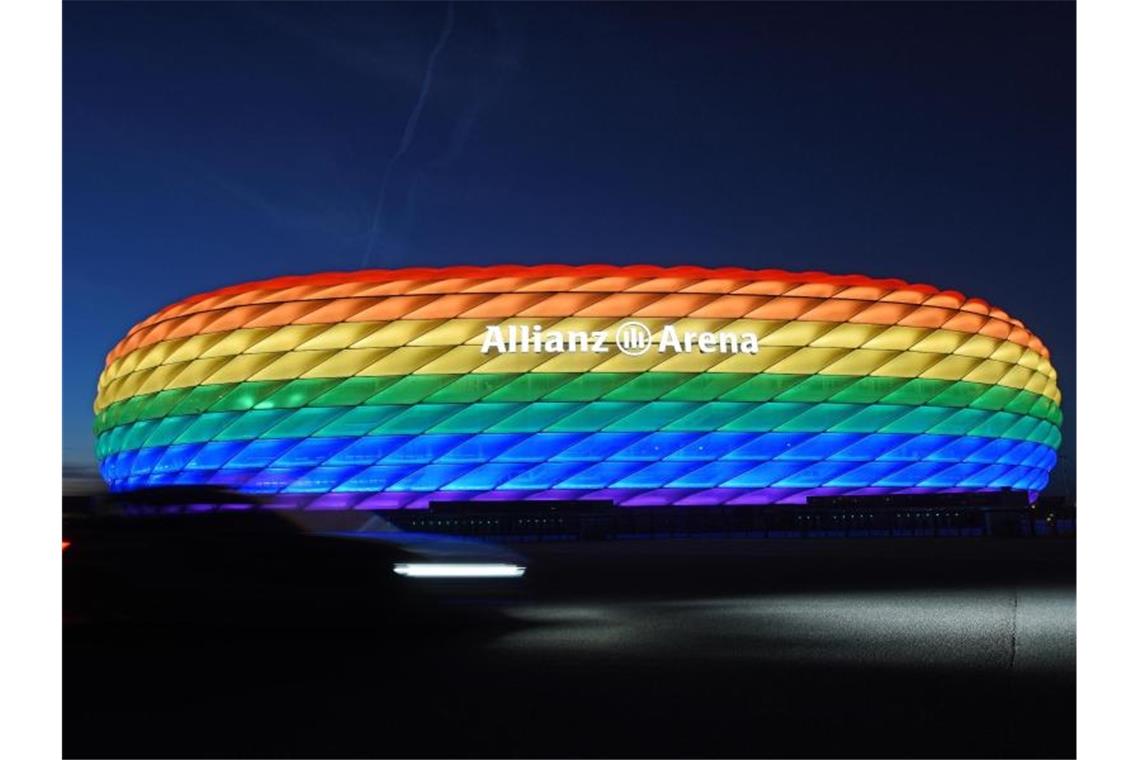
(504, 61)
(409, 132)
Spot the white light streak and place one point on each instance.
(458, 570)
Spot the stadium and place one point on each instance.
(684, 386)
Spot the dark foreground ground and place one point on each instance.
(708, 648)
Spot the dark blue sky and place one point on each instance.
(210, 143)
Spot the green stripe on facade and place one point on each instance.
(560, 416)
(566, 387)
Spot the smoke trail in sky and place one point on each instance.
(505, 62)
(409, 133)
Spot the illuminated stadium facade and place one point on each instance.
(641, 385)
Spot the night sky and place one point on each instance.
(210, 143)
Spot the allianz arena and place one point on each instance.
(393, 389)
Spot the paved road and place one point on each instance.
(730, 647)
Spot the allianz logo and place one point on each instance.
(630, 337)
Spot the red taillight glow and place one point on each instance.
(66, 544)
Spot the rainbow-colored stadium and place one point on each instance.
(378, 389)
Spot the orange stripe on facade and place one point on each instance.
(381, 295)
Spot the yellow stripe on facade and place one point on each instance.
(453, 347)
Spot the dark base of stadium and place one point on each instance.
(999, 514)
